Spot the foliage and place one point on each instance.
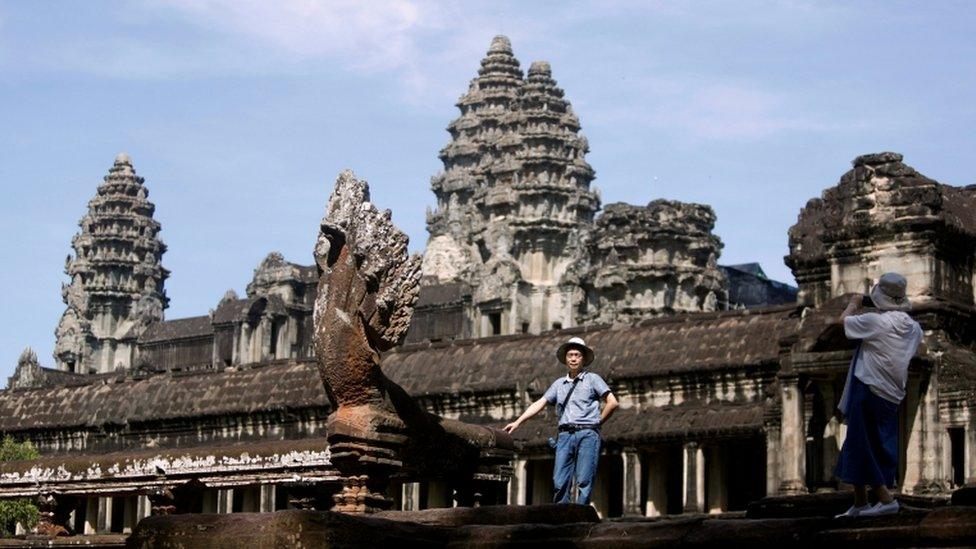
(11, 450)
(18, 510)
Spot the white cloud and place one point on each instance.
(699, 108)
(730, 111)
(374, 35)
(418, 40)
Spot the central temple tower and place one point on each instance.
(514, 203)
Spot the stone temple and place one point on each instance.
(516, 245)
(727, 380)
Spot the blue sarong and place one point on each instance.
(870, 452)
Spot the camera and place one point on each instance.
(866, 301)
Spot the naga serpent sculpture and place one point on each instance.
(368, 285)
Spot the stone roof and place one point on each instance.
(442, 294)
(180, 328)
(751, 268)
(121, 400)
(635, 425)
(233, 310)
(681, 344)
(678, 344)
(230, 310)
(880, 195)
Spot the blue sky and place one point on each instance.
(240, 114)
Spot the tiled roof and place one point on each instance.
(165, 396)
(230, 310)
(235, 309)
(180, 328)
(439, 294)
(683, 343)
(635, 425)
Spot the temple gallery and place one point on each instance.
(727, 381)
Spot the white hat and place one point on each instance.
(577, 343)
(889, 294)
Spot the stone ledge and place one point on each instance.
(497, 515)
(946, 526)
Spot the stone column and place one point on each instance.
(91, 515)
(518, 484)
(235, 349)
(632, 481)
(266, 503)
(970, 448)
(694, 477)
(244, 354)
(717, 481)
(104, 521)
(411, 496)
(832, 436)
(264, 328)
(929, 442)
(225, 500)
(773, 440)
(913, 424)
(657, 485)
(792, 438)
(143, 507)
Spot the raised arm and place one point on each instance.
(852, 306)
(532, 410)
(608, 408)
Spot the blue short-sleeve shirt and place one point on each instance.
(583, 407)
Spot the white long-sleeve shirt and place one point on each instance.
(888, 343)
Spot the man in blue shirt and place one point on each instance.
(577, 399)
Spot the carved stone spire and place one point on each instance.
(480, 137)
(552, 165)
(116, 286)
(514, 203)
(28, 371)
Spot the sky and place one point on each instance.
(240, 114)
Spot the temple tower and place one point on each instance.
(553, 203)
(514, 201)
(653, 260)
(116, 286)
(480, 138)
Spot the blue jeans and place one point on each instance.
(577, 454)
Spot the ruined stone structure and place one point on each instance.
(228, 412)
(514, 232)
(116, 287)
(650, 260)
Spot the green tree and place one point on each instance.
(13, 511)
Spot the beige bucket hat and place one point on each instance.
(575, 343)
(889, 294)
